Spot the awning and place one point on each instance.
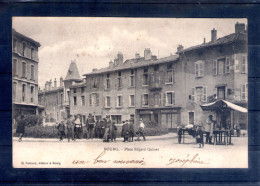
(221, 104)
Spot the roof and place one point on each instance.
(81, 84)
(220, 41)
(73, 72)
(27, 38)
(223, 103)
(135, 64)
(57, 89)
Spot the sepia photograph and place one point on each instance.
(106, 92)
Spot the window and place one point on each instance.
(227, 65)
(145, 100)
(156, 68)
(108, 102)
(119, 101)
(199, 93)
(221, 66)
(119, 80)
(32, 72)
(170, 74)
(75, 100)
(170, 98)
(157, 99)
(82, 100)
(90, 99)
(191, 118)
(193, 94)
(24, 69)
(23, 92)
(24, 46)
(204, 94)
(74, 90)
(82, 90)
(32, 53)
(117, 119)
(14, 44)
(221, 92)
(57, 100)
(14, 91)
(244, 89)
(199, 69)
(94, 82)
(243, 65)
(131, 100)
(61, 99)
(14, 67)
(132, 79)
(145, 76)
(107, 84)
(215, 69)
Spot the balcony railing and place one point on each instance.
(155, 82)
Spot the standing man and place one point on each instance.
(141, 130)
(209, 129)
(78, 127)
(124, 133)
(70, 128)
(90, 125)
(61, 129)
(20, 127)
(131, 130)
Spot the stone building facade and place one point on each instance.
(25, 74)
(56, 99)
(215, 70)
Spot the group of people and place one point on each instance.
(198, 132)
(101, 128)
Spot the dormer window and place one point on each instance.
(14, 44)
(32, 53)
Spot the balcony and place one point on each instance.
(155, 82)
(66, 104)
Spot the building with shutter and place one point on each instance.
(216, 70)
(142, 87)
(24, 74)
(57, 99)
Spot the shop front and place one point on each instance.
(165, 116)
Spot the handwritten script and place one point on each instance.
(189, 159)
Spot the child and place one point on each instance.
(199, 136)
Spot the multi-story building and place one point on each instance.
(141, 87)
(56, 99)
(25, 74)
(215, 70)
(169, 91)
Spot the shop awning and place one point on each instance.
(221, 104)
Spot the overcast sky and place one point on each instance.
(98, 40)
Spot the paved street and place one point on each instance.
(157, 151)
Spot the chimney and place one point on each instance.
(61, 81)
(147, 54)
(213, 35)
(111, 64)
(120, 58)
(239, 27)
(179, 48)
(55, 83)
(204, 40)
(137, 55)
(50, 84)
(94, 69)
(46, 85)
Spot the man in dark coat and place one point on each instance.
(107, 126)
(90, 125)
(20, 127)
(199, 136)
(131, 130)
(61, 130)
(112, 131)
(70, 128)
(125, 131)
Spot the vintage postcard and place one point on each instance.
(129, 92)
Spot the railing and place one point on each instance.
(155, 82)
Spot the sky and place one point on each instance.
(93, 42)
